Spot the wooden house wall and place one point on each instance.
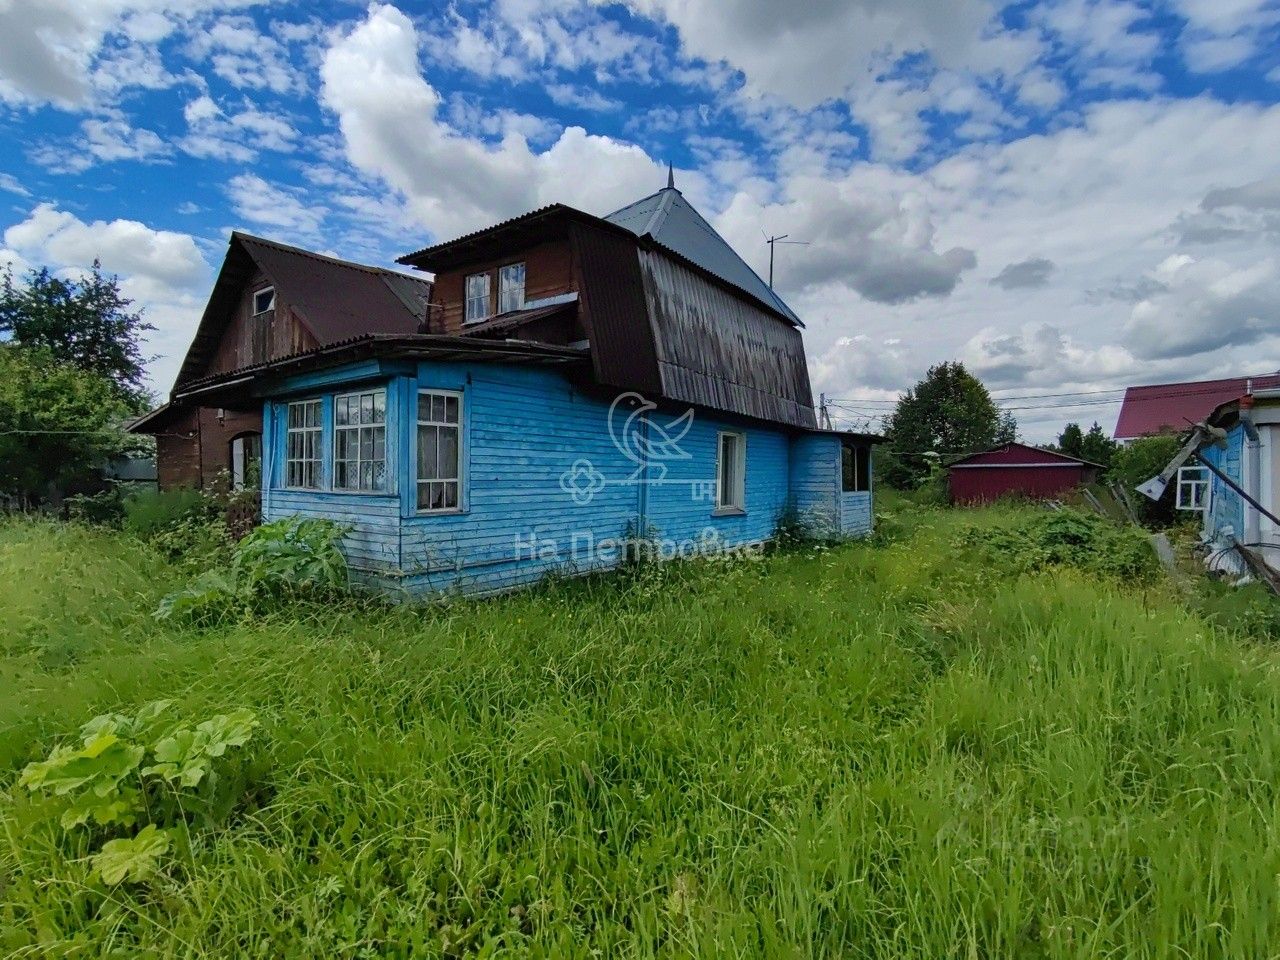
(717, 350)
(216, 434)
(548, 272)
(524, 429)
(250, 339)
(178, 452)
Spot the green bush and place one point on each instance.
(149, 512)
(1065, 538)
(1138, 462)
(290, 559)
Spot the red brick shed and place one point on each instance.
(1017, 470)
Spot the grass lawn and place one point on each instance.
(889, 749)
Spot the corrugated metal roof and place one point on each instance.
(334, 299)
(339, 299)
(1019, 454)
(1159, 406)
(670, 220)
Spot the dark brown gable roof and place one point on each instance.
(334, 299)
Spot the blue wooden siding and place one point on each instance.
(815, 482)
(1226, 509)
(523, 429)
(855, 514)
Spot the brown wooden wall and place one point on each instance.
(548, 272)
(249, 339)
(195, 449)
(178, 453)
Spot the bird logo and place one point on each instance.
(643, 440)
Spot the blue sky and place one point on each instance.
(1067, 196)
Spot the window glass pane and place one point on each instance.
(427, 452)
(424, 406)
(451, 409)
(379, 407)
(451, 495)
(340, 411)
(449, 452)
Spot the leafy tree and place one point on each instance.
(57, 423)
(1071, 440)
(949, 411)
(1139, 461)
(85, 322)
(1097, 446)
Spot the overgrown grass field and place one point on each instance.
(903, 748)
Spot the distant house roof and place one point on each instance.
(1162, 406)
(669, 219)
(334, 299)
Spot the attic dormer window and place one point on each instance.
(264, 300)
(511, 288)
(477, 297)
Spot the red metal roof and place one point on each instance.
(1020, 455)
(1176, 406)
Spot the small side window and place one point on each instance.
(731, 463)
(855, 469)
(264, 301)
(1193, 488)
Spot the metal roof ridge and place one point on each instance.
(251, 238)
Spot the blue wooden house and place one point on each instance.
(1239, 498)
(578, 387)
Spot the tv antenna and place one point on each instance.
(772, 242)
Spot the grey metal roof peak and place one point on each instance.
(669, 219)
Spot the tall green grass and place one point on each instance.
(881, 750)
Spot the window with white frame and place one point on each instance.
(360, 441)
(511, 288)
(264, 300)
(439, 446)
(1193, 488)
(302, 445)
(731, 460)
(477, 297)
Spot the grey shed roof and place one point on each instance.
(669, 219)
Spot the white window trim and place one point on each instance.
(524, 278)
(467, 298)
(461, 479)
(385, 489)
(318, 429)
(740, 494)
(1195, 479)
(270, 307)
